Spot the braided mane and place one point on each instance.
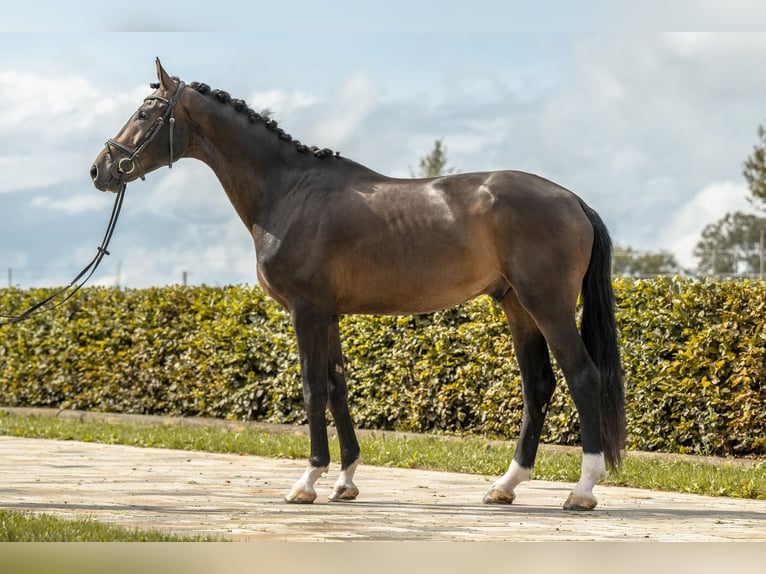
(241, 107)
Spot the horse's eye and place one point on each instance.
(142, 115)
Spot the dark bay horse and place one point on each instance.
(333, 237)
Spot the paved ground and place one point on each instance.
(240, 498)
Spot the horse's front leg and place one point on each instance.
(312, 331)
(344, 488)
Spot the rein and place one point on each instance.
(125, 166)
(82, 277)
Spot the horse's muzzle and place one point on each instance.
(104, 174)
(102, 177)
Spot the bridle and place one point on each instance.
(125, 166)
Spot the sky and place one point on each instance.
(649, 126)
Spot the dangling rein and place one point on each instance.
(63, 295)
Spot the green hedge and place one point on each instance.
(694, 359)
(695, 363)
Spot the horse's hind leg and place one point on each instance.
(584, 382)
(344, 489)
(538, 384)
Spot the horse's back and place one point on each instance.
(521, 212)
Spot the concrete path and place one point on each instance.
(240, 498)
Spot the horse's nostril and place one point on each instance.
(93, 172)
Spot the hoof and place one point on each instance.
(344, 493)
(301, 495)
(578, 502)
(498, 496)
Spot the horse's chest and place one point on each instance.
(284, 270)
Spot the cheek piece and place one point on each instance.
(127, 165)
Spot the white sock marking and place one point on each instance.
(593, 470)
(306, 482)
(514, 475)
(346, 477)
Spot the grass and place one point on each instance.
(467, 455)
(28, 527)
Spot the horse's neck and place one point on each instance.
(252, 164)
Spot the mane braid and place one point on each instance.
(240, 106)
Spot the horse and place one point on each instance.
(333, 237)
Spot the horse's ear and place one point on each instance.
(166, 82)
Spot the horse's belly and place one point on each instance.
(418, 287)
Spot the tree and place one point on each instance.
(732, 245)
(434, 164)
(754, 169)
(632, 263)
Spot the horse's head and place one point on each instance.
(148, 141)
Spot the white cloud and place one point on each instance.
(707, 206)
(75, 204)
(323, 121)
(56, 106)
(341, 115)
(188, 192)
(714, 44)
(31, 98)
(20, 172)
(215, 253)
(285, 103)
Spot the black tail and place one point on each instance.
(599, 332)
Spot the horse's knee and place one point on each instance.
(315, 403)
(337, 395)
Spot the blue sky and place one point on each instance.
(650, 127)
